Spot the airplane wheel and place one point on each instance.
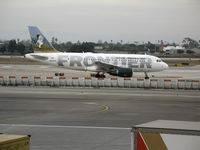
(100, 76)
(146, 76)
(97, 75)
(61, 74)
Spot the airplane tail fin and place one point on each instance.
(40, 43)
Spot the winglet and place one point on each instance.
(40, 43)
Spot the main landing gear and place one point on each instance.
(98, 75)
(146, 75)
(59, 74)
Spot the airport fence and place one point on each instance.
(101, 82)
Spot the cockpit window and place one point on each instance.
(158, 60)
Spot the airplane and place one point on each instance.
(122, 65)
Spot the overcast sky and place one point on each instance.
(106, 20)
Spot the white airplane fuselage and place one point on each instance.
(88, 61)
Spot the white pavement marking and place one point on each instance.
(6, 66)
(57, 126)
(43, 67)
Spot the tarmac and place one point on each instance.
(89, 118)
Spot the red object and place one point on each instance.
(140, 142)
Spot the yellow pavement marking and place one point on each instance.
(90, 103)
(7, 119)
(105, 108)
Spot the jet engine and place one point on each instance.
(121, 72)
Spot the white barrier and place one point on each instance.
(18, 81)
(56, 81)
(25, 80)
(37, 81)
(6, 80)
(101, 82)
(195, 84)
(140, 83)
(43, 81)
(127, 82)
(1, 80)
(12, 80)
(147, 83)
(174, 84)
(181, 84)
(161, 84)
(114, 82)
(62, 81)
(133, 82)
(75, 81)
(188, 84)
(88, 81)
(49, 81)
(94, 82)
(31, 81)
(153, 83)
(69, 81)
(82, 82)
(167, 84)
(107, 82)
(120, 82)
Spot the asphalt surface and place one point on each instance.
(87, 118)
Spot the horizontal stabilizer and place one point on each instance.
(40, 57)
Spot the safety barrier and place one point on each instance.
(88, 81)
(140, 83)
(101, 82)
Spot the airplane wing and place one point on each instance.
(114, 70)
(104, 67)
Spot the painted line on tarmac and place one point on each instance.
(6, 66)
(105, 108)
(7, 119)
(57, 126)
(44, 67)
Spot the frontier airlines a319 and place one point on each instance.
(122, 65)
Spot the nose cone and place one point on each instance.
(165, 66)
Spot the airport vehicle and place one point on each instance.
(122, 65)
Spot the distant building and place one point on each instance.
(169, 50)
(1, 43)
(98, 47)
(137, 43)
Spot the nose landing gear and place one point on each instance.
(146, 75)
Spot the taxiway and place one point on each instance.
(88, 118)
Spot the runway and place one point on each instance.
(88, 118)
(46, 70)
